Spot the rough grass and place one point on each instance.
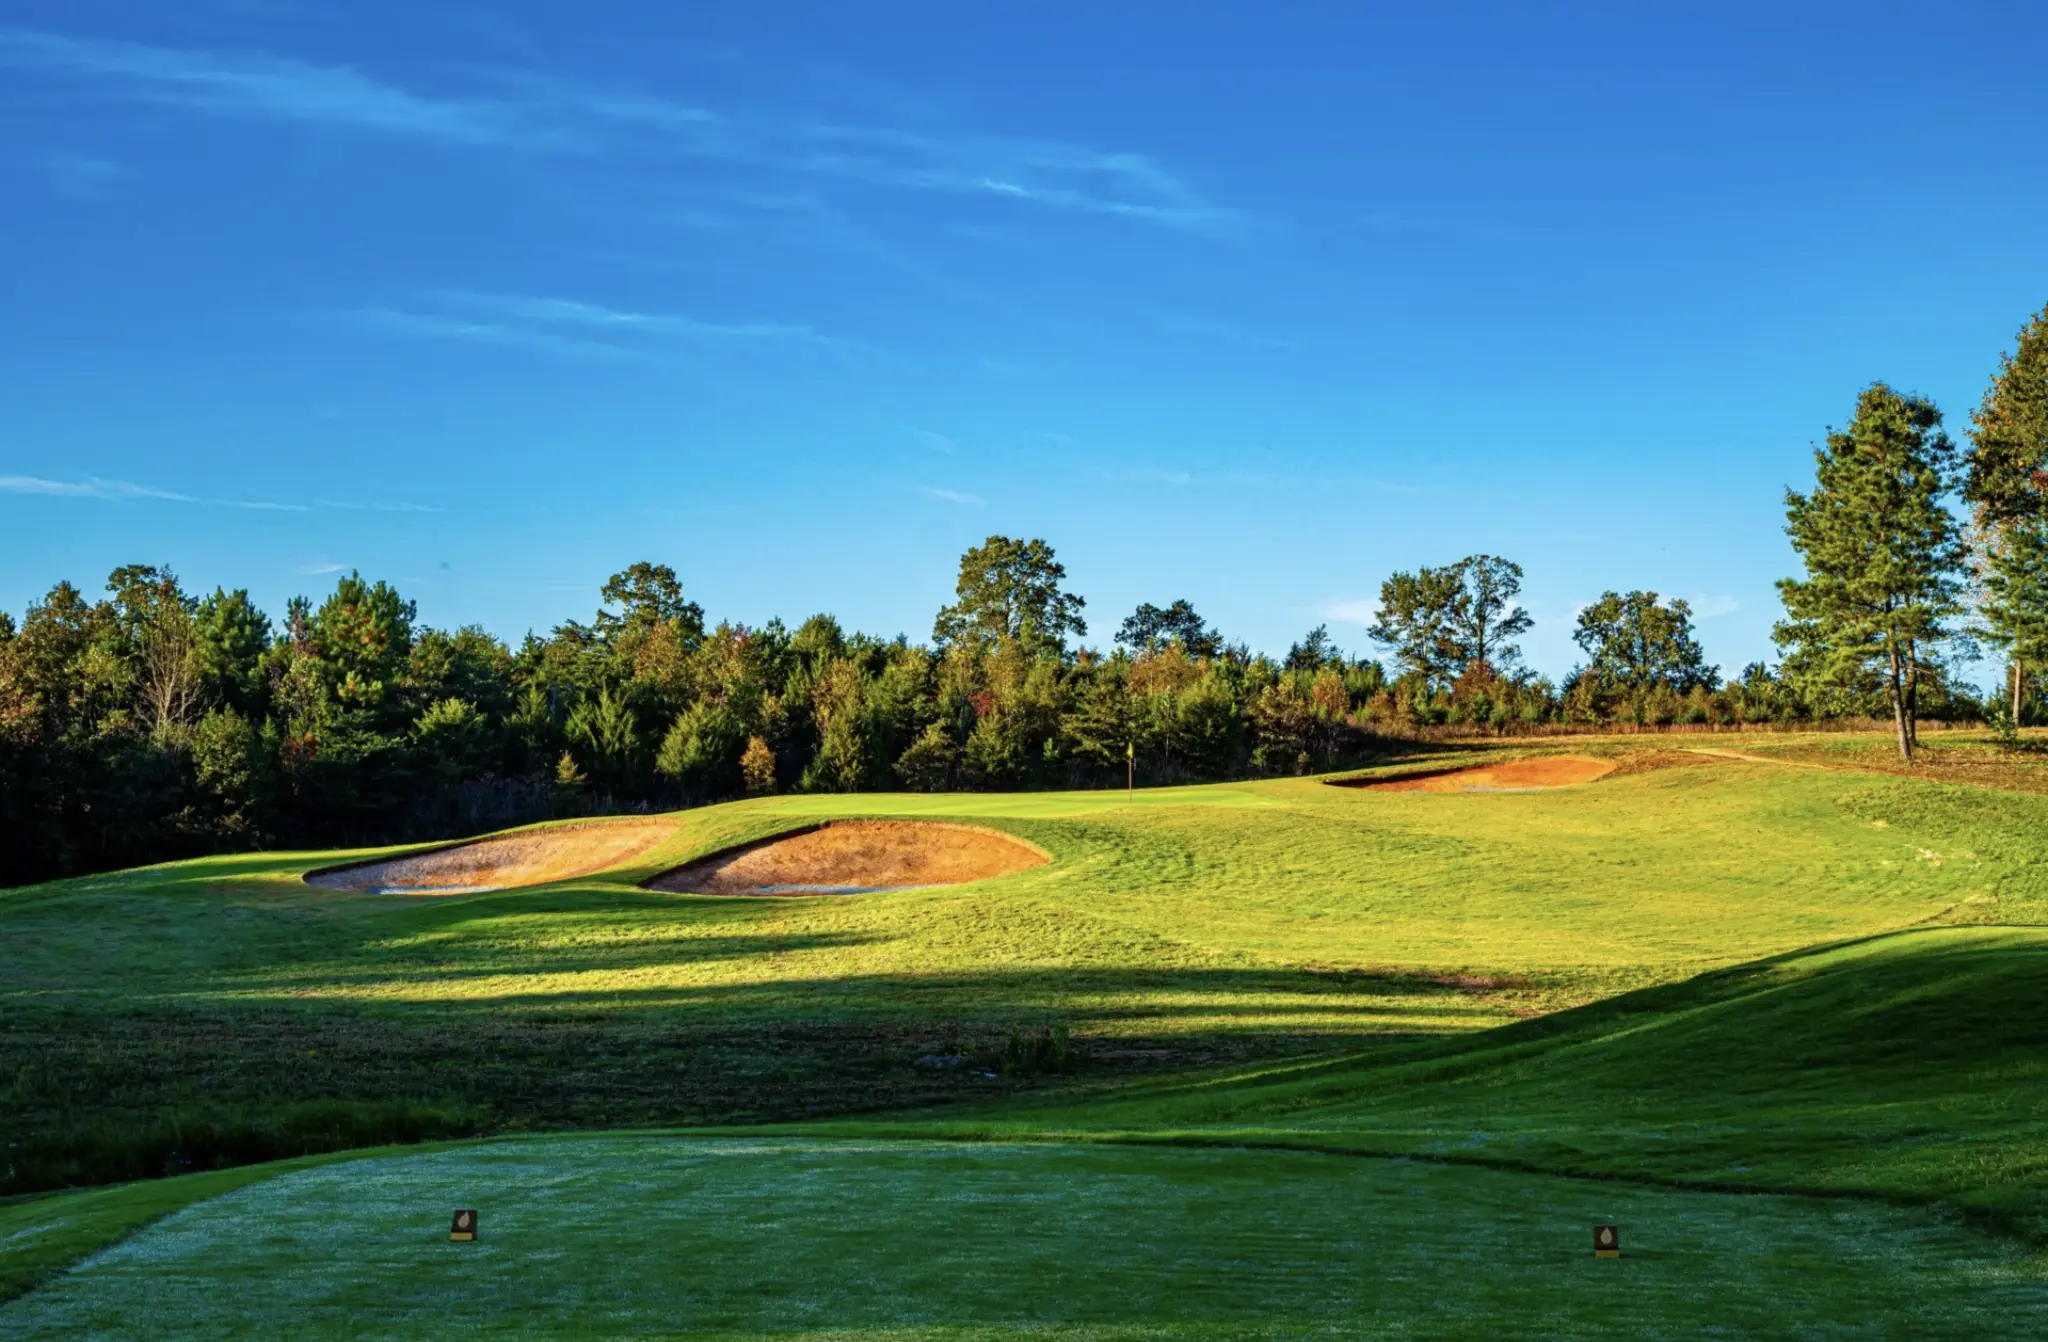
(1975, 758)
(591, 1236)
(207, 1012)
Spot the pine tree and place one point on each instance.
(1882, 554)
(2015, 602)
(2007, 485)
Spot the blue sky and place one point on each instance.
(1244, 304)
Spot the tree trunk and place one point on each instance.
(1899, 709)
(2019, 689)
(1912, 693)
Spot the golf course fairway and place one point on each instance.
(1276, 1058)
(650, 1235)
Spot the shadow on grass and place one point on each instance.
(98, 1094)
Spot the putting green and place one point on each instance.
(638, 1236)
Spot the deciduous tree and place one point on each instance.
(1439, 621)
(1634, 643)
(1010, 590)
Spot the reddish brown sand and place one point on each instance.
(853, 856)
(530, 857)
(1514, 776)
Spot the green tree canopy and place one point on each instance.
(1882, 553)
(2007, 477)
(1009, 591)
(364, 632)
(646, 595)
(1151, 627)
(2015, 601)
(1439, 621)
(1315, 651)
(233, 636)
(1634, 643)
(2006, 483)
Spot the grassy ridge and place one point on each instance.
(1912, 1067)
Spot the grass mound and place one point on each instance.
(1912, 1066)
(504, 862)
(854, 857)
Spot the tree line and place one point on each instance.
(151, 723)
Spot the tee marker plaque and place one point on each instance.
(464, 1229)
(1607, 1241)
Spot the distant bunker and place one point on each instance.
(1530, 775)
(854, 857)
(529, 857)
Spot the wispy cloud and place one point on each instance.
(91, 487)
(938, 442)
(585, 330)
(123, 491)
(1713, 607)
(1046, 173)
(316, 570)
(376, 507)
(1353, 612)
(521, 110)
(596, 317)
(256, 85)
(433, 326)
(953, 496)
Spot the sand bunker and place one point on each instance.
(849, 857)
(531, 857)
(1515, 776)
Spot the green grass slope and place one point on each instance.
(1912, 1067)
(671, 1236)
(223, 1011)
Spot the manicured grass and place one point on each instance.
(1822, 987)
(222, 1010)
(42, 1234)
(624, 1236)
(1911, 1067)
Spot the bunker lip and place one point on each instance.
(1535, 774)
(500, 862)
(854, 857)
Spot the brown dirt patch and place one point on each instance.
(849, 857)
(531, 857)
(1544, 771)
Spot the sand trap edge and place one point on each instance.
(1402, 782)
(310, 875)
(822, 891)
